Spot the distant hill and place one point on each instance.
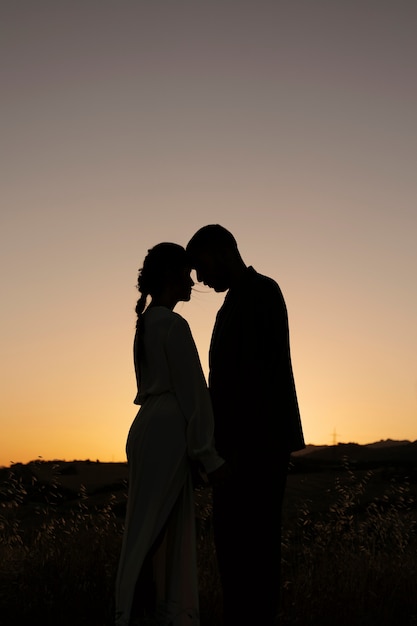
(387, 443)
(379, 452)
(69, 476)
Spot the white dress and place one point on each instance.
(174, 423)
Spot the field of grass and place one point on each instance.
(349, 546)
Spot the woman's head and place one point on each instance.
(165, 267)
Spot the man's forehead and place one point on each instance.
(202, 257)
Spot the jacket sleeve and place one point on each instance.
(190, 388)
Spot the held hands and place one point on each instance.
(220, 475)
(217, 477)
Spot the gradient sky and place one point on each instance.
(127, 123)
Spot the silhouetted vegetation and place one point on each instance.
(349, 549)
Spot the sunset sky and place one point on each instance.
(126, 123)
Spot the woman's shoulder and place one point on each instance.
(163, 315)
(179, 320)
(169, 325)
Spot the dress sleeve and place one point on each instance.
(189, 385)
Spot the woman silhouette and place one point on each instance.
(157, 574)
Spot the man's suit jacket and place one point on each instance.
(251, 379)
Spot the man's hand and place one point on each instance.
(219, 475)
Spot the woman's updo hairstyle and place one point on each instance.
(162, 262)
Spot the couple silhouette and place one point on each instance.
(241, 429)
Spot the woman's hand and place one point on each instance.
(220, 475)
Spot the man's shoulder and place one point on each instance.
(266, 295)
(262, 282)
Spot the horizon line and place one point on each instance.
(40, 459)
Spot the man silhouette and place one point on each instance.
(257, 425)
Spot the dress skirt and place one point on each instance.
(160, 500)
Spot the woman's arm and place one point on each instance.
(189, 385)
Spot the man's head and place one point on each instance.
(214, 254)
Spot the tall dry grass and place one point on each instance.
(57, 562)
(353, 564)
(356, 562)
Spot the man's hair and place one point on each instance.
(211, 237)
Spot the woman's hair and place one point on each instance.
(161, 262)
